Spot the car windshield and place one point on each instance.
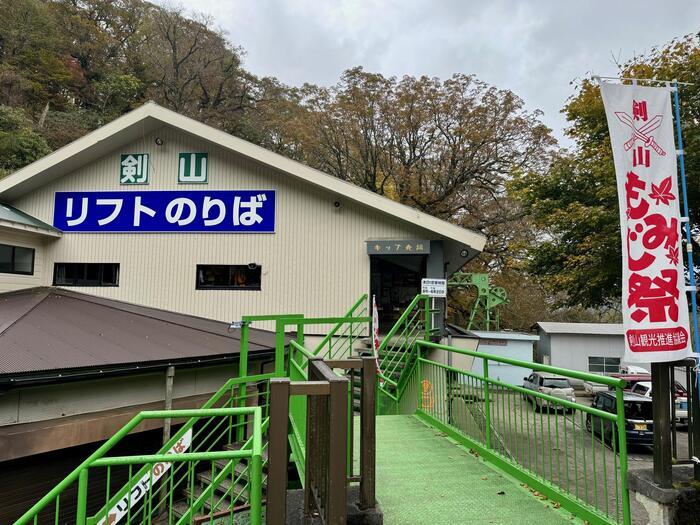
(552, 382)
(638, 410)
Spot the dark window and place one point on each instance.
(604, 365)
(556, 382)
(228, 277)
(638, 410)
(86, 274)
(16, 259)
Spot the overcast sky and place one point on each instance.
(533, 47)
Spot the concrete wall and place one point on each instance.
(11, 281)
(315, 263)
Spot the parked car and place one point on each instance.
(550, 384)
(632, 379)
(639, 421)
(643, 388)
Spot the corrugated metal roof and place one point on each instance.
(582, 328)
(10, 214)
(47, 329)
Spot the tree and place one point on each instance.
(444, 147)
(574, 203)
(19, 143)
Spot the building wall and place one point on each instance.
(11, 281)
(513, 349)
(573, 350)
(315, 263)
(41, 403)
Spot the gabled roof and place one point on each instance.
(105, 336)
(151, 116)
(581, 328)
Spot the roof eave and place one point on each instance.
(52, 232)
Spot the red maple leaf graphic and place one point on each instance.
(672, 254)
(662, 192)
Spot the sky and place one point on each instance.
(536, 48)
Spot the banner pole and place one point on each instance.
(688, 238)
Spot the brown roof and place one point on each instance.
(49, 329)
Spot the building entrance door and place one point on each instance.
(395, 281)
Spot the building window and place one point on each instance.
(604, 365)
(228, 276)
(16, 259)
(86, 274)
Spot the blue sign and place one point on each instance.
(236, 211)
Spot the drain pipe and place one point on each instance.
(169, 379)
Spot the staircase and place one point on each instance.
(232, 494)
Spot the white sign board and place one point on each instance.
(654, 305)
(433, 287)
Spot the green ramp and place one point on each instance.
(423, 478)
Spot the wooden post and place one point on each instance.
(368, 434)
(661, 405)
(277, 451)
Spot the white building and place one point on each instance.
(588, 347)
(159, 210)
(122, 253)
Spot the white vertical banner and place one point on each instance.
(654, 303)
(375, 335)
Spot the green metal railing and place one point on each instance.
(571, 453)
(153, 496)
(205, 436)
(226, 486)
(339, 341)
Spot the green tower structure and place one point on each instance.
(485, 314)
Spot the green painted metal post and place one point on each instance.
(242, 372)
(279, 348)
(487, 403)
(243, 358)
(256, 490)
(622, 437)
(81, 514)
(300, 334)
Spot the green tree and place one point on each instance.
(19, 143)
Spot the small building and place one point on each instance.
(588, 347)
(504, 343)
(513, 345)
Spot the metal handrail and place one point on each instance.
(575, 374)
(350, 313)
(97, 458)
(498, 444)
(401, 319)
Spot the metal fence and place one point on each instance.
(569, 452)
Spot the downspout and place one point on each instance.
(169, 379)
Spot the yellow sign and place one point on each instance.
(427, 397)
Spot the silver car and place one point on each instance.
(550, 384)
